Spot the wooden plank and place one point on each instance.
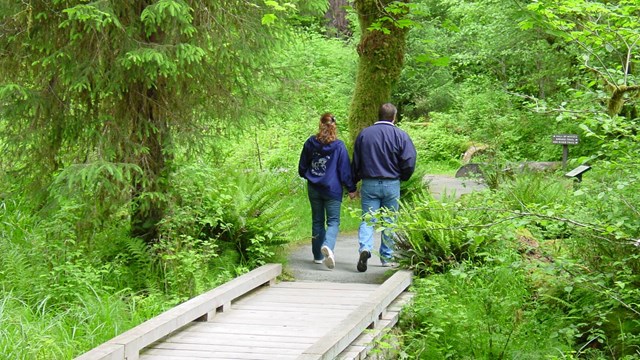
(269, 324)
(106, 351)
(171, 320)
(325, 285)
(268, 306)
(317, 300)
(285, 292)
(278, 330)
(231, 348)
(306, 291)
(294, 321)
(191, 355)
(256, 340)
(336, 340)
(282, 317)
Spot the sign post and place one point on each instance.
(565, 140)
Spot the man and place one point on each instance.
(383, 155)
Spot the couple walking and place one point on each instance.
(383, 155)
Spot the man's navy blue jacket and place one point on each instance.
(383, 151)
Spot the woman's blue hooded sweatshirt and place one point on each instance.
(326, 167)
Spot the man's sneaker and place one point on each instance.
(329, 259)
(389, 264)
(317, 261)
(362, 262)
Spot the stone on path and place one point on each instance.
(443, 185)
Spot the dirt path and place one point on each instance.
(300, 262)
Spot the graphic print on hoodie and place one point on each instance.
(319, 163)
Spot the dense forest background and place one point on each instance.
(149, 153)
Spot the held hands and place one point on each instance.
(353, 195)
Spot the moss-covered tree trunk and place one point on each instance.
(381, 56)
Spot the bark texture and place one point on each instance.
(381, 55)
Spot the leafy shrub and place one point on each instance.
(481, 312)
(241, 211)
(260, 220)
(434, 235)
(436, 141)
(529, 188)
(605, 320)
(42, 258)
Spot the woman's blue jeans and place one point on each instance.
(325, 221)
(377, 194)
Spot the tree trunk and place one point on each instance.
(381, 58)
(337, 16)
(152, 136)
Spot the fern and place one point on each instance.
(263, 219)
(433, 235)
(141, 264)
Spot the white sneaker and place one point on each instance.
(329, 259)
(318, 261)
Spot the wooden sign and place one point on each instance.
(565, 139)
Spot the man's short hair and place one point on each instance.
(387, 112)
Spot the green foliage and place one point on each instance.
(54, 293)
(434, 235)
(100, 72)
(318, 74)
(601, 305)
(529, 189)
(241, 211)
(441, 58)
(606, 37)
(259, 220)
(614, 219)
(119, 82)
(437, 141)
(481, 312)
(617, 137)
(578, 284)
(489, 116)
(43, 331)
(185, 265)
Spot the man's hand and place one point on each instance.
(353, 195)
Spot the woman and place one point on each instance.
(324, 162)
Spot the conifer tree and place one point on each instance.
(118, 82)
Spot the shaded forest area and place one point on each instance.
(149, 151)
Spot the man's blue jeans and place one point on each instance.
(377, 194)
(323, 208)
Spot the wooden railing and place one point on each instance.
(364, 317)
(128, 344)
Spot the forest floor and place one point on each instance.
(300, 260)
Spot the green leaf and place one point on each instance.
(269, 19)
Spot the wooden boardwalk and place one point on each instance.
(244, 319)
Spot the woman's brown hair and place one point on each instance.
(327, 131)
